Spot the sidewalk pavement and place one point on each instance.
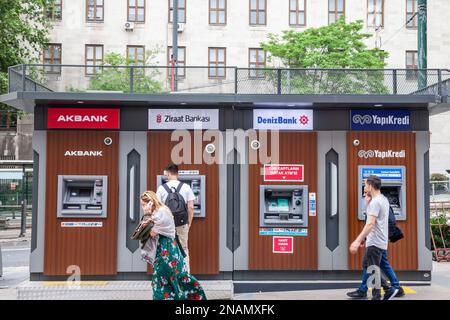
(10, 238)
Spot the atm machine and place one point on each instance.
(198, 185)
(393, 187)
(82, 196)
(283, 206)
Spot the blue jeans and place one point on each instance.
(387, 270)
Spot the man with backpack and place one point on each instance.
(395, 290)
(179, 197)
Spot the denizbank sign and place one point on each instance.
(282, 119)
(380, 120)
(183, 119)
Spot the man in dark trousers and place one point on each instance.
(385, 266)
(375, 233)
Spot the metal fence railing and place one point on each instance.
(440, 191)
(221, 79)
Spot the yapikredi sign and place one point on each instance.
(380, 120)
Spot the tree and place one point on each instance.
(110, 77)
(24, 30)
(338, 45)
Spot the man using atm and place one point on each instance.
(375, 234)
(169, 194)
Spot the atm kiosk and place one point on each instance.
(82, 196)
(283, 206)
(393, 187)
(198, 186)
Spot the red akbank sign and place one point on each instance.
(84, 118)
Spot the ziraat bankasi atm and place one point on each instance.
(197, 183)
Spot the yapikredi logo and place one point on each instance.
(374, 119)
(366, 154)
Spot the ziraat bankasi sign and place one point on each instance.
(380, 120)
(183, 119)
(83, 118)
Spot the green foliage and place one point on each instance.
(24, 30)
(338, 45)
(110, 77)
(438, 238)
(438, 177)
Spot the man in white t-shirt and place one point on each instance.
(188, 195)
(375, 233)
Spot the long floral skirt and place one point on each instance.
(170, 280)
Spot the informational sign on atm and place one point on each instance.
(283, 172)
(383, 173)
(283, 245)
(312, 204)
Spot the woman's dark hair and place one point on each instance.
(374, 182)
(172, 169)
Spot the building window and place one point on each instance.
(217, 63)
(94, 58)
(136, 55)
(181, 11)
(217, 11)
(52, 55)
(8, 120)
(136, 10)
(375, 13)
(256, 60)
(258, 12)
(297, 12)
(411, 10)
(94, 10)
(54, 12)
(181, 70)
(411, 65)
(336, 9)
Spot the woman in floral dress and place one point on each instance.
(171, 280)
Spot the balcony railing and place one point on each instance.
(231, 80)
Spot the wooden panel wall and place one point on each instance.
(294, 148)
(204, 232)
(94, 250)
(402, 254)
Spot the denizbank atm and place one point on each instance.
(283, 206)
(393, 187)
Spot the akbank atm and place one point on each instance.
(198, 185)
(82, 196)
(283, 206)
(393, 187)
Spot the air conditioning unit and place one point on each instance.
(129, 26)
(180, 27)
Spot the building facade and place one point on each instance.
(224, 33)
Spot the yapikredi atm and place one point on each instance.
(272, 205)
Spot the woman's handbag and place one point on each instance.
(142, 231)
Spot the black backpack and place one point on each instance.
(395, 233)
(177, 205)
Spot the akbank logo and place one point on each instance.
(362, 119)
(366, 154)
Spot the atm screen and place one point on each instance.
(279, 205)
